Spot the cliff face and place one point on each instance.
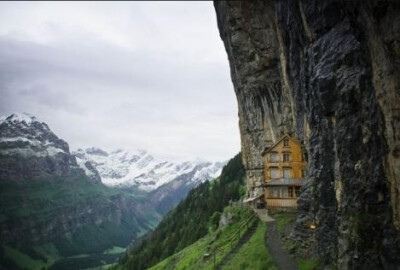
(326, 72)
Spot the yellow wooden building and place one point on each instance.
(285, 171)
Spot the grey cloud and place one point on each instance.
(159, 79)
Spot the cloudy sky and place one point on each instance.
(125, 75)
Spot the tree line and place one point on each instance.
(190, 220)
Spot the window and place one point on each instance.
(284, 192)
(303, 173)
(286, 157)
(286, 142)
(297, 191)
(273, 192)
(278, 192)
(290, 191)
(286, 173)
(274, 173)
(273, 157)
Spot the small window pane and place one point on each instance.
(286, 173)
(290, 191)
(285, 142)
(273, 192)
(284, 192)
(274, 173)
(286, 157)
(274, 157)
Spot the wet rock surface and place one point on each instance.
(327, 73)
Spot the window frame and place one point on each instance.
(283, 156)
(271, 169)
(286, 142)
(287, 169)
(276, 156)
(291, 192)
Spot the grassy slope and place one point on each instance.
(190, 220)
(253, 255)
(192, 256)
(41, 200)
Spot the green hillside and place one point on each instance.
(68, 223)
(191, 220)
(239, 245)
(252, 255)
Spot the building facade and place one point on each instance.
(285, 171)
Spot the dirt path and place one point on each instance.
(275, 247)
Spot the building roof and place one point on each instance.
(277, 142)
(285, 182)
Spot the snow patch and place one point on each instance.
(19, 117)
(81, 164)
(138, 168)
(15, 139)
(53, 151)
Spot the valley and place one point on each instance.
(200, 212)
(70, 220)
(62, 210)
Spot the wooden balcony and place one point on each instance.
(281, 202)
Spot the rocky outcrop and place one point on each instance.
(30, 150)
(326, 72)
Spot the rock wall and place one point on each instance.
(326, 72)
(265, 104)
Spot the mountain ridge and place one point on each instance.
(24, 135)
(30, 150)
(141, 169)
(54, 198)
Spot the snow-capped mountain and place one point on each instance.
(29, 150)
(33, 151)
(23, 134)
(139, 168)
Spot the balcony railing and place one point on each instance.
(290, 161)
